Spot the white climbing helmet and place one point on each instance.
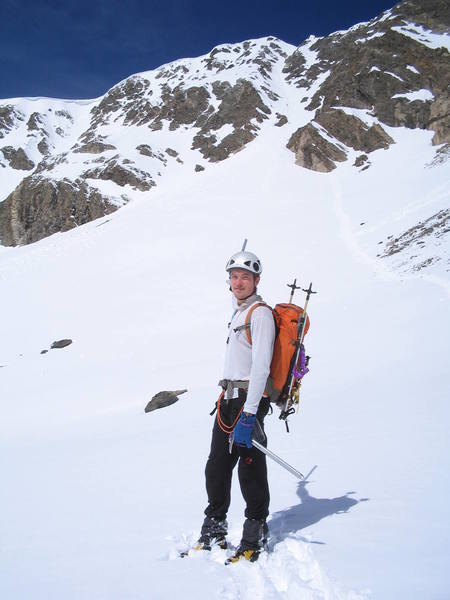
(245, 260)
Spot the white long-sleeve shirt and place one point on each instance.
(250, 362)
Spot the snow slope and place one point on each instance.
(97, 497)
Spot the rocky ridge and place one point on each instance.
(391, 69)
(65, 163)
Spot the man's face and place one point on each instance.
(243, 283)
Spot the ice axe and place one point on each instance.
(278, 460)
(259, 432)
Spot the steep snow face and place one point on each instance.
(40, 127)
(98, 497)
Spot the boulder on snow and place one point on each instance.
(163, 399)
(60, 344)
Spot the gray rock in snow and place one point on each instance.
(60, 344)
(163, 399)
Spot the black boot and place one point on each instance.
(213, 531)
(253, 542)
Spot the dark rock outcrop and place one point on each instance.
(94, 147)
(313, 151)
(371, 66)
(36, 128)
(113, 170)
(35, 122)
(43, 147)
(146, 150)
(352, 132)
(361, 160)
(124, 97)
(17, 158)
(40, 207)
(132, 99)
(240, 104)
(437, 226)
(441, 156)
(9, 116)
(231, 143)
(440, 120)
(282, 120)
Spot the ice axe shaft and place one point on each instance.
(277, 459)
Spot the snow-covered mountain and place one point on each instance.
(97, 496)
(64, 163)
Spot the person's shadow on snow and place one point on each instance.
(309, 511)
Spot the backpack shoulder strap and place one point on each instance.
(249, 316)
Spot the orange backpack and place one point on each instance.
(287, 320)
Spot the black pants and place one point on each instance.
(252, 469)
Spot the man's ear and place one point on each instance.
(257, 278)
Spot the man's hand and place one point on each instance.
(244, 429)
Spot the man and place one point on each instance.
(240, 414)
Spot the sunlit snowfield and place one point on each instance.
(98, 497)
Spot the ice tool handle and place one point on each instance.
(293, 287)
(301, 369)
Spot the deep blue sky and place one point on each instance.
(81, 48)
